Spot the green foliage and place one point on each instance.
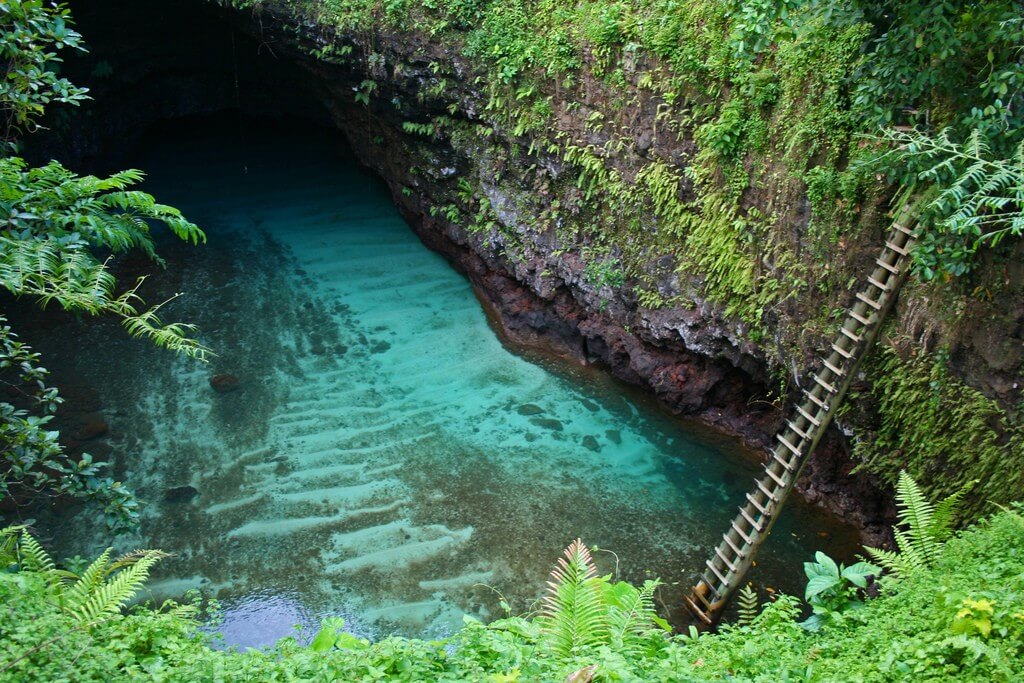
(834, 589)
(979, 197)
(332, 635)
(52, 219)
(606, 273)
(945, 434)
(31, 34)
(584, 611)
(99, 593)
(926, 526)
(53, 225)
(962, 620)
(944, 63)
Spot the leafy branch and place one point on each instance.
(978, 200)
(51, 219)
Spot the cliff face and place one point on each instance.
(584, 213)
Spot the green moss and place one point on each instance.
(943, 432)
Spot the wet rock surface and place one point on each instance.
(181, 494)
(224, 383)
(95, 426)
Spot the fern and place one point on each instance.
(106, 598)
(53, 219)
(574, 617)
(99, 592)
(630, 614)
(747, 604)
(583, 611)
(978, 198)
(926, 527)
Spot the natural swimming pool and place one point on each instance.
(384, 456)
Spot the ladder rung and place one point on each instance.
(750, 520)
(869, 301)
(807, 416)
(785, 442)
(777, 478)
(760, 508)
(723, 558)
(697, 612)
(739, 553)
(842, 352)
(852, 336)
(838, 372)
(799, 432)
(766, 492)
(905, 230)
(746, 539)
(711, 586)
(817, 401)
(882, 286)
(713, 568)
(700, 594)
(782, 461)
(859, 318)
(825, 385)
(898, 250)
(892, 269)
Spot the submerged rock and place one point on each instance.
(589, 442)
(94, 426)
(224, 383)
(548, 423)
(181, 494)
(529, 409)
(614, 435)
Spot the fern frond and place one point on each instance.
(172, 336)
(888, 560)
(130, 558)
(108, 598)
(88, 581)
(33, 556)
(9, 544)
(630, 614)
(917, 513)
(573, 616)
(925, 527)
(21, 547)
(945, 515)
(747, 605)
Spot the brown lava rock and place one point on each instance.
(224, 383)
(94, 426)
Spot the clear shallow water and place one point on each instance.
(385, 458)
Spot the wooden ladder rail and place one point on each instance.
(795, 443)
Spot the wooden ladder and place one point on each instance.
(797, 440)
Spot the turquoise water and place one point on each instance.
(385, 457)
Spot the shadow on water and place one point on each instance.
(383, 456)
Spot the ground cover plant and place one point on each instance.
(962, 618)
